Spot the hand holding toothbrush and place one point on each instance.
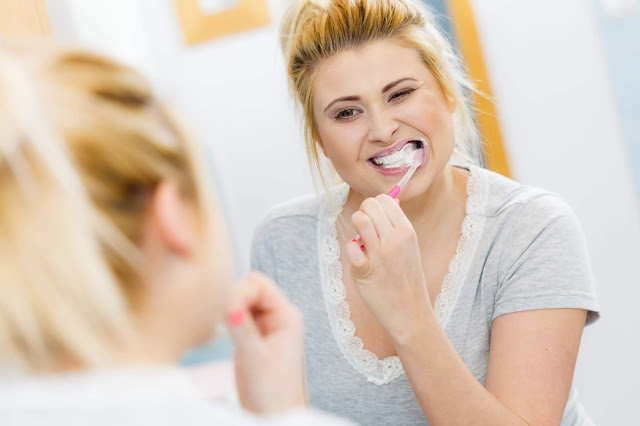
(395, 191)
(389, 275)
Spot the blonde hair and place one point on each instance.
(313, 30)
(69, 274)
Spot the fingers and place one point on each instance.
(268, 355)
(366, 229)
(359, 260)
(380, 215)
(242, 328)
(258, 301)
(394, 213)
(376, 212)
(377, 222)
(257, 292)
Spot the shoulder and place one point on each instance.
(520, 218)
(511, 201)
(538, 250)
(303, 206)
(298, 216)
(526, 219)
(302, 213)
(123, 396)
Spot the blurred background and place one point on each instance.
(564, 77)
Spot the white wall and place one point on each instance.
(554, 103)
(556, 109)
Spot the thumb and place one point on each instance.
(358, 259)
(242, 328)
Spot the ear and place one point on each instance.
(172, 220)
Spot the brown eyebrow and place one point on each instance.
(357, 98)
(395, 83)
(345, 98)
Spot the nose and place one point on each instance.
(382, 127)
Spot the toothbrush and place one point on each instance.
(396, 189)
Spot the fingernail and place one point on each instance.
(354, 240)
(362, 247)
(235, 317)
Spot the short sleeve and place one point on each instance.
(262, 252)
(544, 262)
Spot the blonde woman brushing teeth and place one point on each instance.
(467, 301)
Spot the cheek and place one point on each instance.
(340, 141)
(219, 272)
(446, 130)
(434, 121)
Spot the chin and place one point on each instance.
(415, 188)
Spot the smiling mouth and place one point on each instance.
(401, 158)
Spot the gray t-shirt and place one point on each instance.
(521, 248)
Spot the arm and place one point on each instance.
(531, 362)
(532, 354)
(532, 359)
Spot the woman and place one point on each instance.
(464, 303)
(114, 259)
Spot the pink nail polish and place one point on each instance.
(236, 317)
(354, 240)
(362, 247)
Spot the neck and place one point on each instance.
(158, 340)
(148, 344)
(440, 205)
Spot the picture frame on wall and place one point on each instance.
(204, 20)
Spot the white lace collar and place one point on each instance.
(384, 371)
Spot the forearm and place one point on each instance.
(445, 388)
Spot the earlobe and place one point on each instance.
(172, 219)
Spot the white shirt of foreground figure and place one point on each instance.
(143, 395)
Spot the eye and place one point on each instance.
(400, 94)
(346, 114)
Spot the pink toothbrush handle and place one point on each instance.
(394, 192)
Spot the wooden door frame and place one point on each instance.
(466, 32)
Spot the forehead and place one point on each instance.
(370, 68)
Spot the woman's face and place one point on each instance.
(373, 107)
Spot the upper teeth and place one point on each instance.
(401, 158)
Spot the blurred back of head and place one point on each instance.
(83, 144)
